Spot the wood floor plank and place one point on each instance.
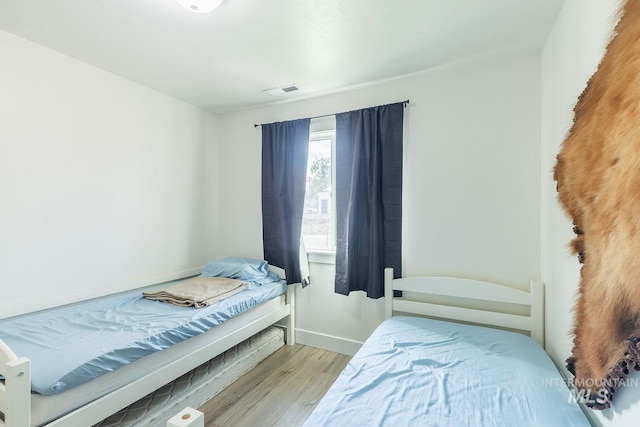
(281, 391)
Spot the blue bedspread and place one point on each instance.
(422, 372)
(71, 345)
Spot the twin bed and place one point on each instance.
(411, 371)
(426, 372)
(86, 361)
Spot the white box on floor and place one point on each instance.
(188, 417)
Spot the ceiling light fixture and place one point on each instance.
(200, 6)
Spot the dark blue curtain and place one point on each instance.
(285, 147)
(368, 198)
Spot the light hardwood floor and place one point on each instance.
(281, 391)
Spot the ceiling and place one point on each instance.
(224, 60)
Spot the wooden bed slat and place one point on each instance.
(503, 320)
(463, 288)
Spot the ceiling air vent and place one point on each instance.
(281, 90)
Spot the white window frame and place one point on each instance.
(322, 129)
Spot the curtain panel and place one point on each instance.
(285, 148)
(368, 198)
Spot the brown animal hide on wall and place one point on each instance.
(598, 180)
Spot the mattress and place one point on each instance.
(416, 371)
(46, 408)
(71, 345)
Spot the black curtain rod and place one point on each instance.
(327, 115)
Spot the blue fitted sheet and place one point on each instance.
(74, 344)
(423, 372)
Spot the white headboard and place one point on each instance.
(455, 287)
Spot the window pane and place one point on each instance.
(316, 221)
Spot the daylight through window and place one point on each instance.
(318, 228)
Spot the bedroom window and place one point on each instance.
(318, 220)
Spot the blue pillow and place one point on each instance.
(251, 270)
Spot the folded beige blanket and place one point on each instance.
(198, 292)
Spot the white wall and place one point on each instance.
(570, 57)
(103, 183)
(472, 187)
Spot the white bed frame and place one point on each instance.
(501, 297)
(15, 393)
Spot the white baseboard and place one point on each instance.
(327, 342)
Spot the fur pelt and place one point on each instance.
(598, 182)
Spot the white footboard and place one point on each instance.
(15, 393)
